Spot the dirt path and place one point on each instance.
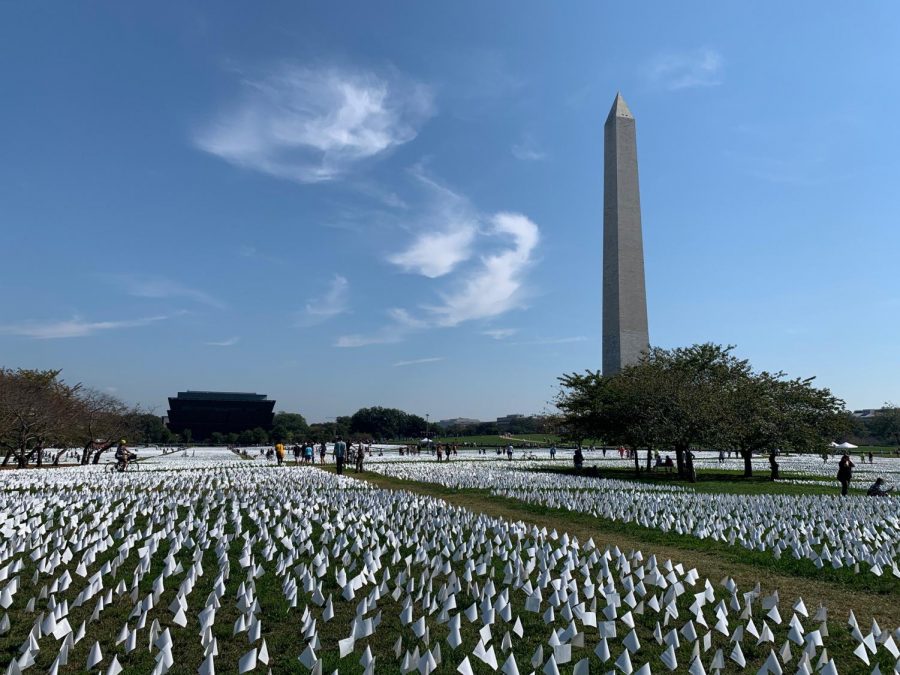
(839, 600)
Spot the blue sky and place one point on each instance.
(401, 204)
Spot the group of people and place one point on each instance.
(845, 475)
(306, 453)
(344, 451)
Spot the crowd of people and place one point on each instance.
(355, 454)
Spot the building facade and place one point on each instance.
(207, 412)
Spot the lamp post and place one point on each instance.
(426, 426)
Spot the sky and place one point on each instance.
(400, 204)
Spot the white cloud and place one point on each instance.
(499, 333)
(685, 70)
(496, 287)
(230, 342)
(434, 254)
(402, 323)
(314, 124)
(329, 305)
(526, 150)
(387, 335)
(446, 237)
(155, 287)
(416, 362)
(446, 231)
(75, 327)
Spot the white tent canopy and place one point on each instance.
(845, 445)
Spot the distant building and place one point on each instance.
(867, 413)
(458, 422)
(207, 412)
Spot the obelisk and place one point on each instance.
(625, 334)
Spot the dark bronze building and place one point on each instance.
(205, 412)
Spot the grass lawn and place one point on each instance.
(720, 481)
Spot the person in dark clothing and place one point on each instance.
(845, 473)
(878, 489)
(360, 455)
(340, 450)
(578, 458)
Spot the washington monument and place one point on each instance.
(625, 334)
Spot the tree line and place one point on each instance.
(700, 397)
(39, 411)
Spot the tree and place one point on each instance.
(384, 423)
(289, 427)
(886, 424)
(149, 428)
(618, 410)
(35, 407)
(260, 436)
(699, 396)
(217, 438)
(769, 412)
(100, 421)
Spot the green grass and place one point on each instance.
(719, 481)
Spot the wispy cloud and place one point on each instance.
(496, 286)
(685, 70)
(415, 362)
(499, 333)
(446, 231)
(481, 261)
(253, 253)
(73, 328)
(384, 336)
(311, 124)
(434, 254)
(332, 303)
(553, 341)
(230, 342)
(490, 287)
(527, 150)
(156, 287)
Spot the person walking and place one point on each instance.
(296, 455)
(279, 453)
(360, 456)
(322, 451)
(845, 473)
(340, 450)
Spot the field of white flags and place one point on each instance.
(857, 532)
(203, 562)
